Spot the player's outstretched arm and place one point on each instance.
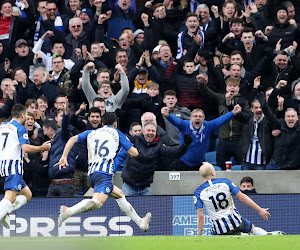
(263, 212)
(63, 162)
(200, 219)
(133, 152)
(27, 148)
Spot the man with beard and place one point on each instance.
(200, 130)
(256, 140)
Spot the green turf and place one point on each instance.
(288, 242)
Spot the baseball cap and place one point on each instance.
(19, 42)
(142, 69)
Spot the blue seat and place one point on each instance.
(236, 167)
(211, 157)
(217, 168)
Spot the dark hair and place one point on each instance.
(170, 92)
(6, 1)
(50, 124)
(59, 97)
(17, 110)
(109, 118)
(247, 179)
(236, 52)
(98, 99)
(188, 60)
(94, 110)
(120, 50)
(133, 124)
(15, 71)
(247, 30)
(236, 20)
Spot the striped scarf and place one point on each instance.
(57, 23)
(180, 43)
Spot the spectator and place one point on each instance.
(121, 17)
(247, 186)
(230, 133)
(25, 87)
(60, 77)
(138, 172)
(35, 173)
(99, 103)
(174, 108)
(135, 129)
(149, 117)
(62, 182)
(58, 47)
(8, 100)
(286, 148)
(23, 57)
(256, 140)
(14, 26)
(49, 15)
(200, 131)
(112, 102)
(43, 86)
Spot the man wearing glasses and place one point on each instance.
(200, 130)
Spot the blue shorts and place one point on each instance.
(101, 183)
(14, 182)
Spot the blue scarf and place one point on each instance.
(197, 132)
(180, 42)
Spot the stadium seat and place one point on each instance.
(211, 157)
(236, 167)
(217, 168)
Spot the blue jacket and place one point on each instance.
(196, 153)
(57, 147)
(118, 20)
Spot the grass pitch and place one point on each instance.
(288, 242)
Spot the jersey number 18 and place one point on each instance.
(220, 202)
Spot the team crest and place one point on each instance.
(195, 199)
(107, 189)
(25, 136)
(19, 186)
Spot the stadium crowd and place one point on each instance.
(226, 72)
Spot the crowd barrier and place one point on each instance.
(172, 215)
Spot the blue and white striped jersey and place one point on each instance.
(103, 145)
(216, 197)
(12, 136)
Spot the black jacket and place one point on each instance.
(287, 147)
(139, 171)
